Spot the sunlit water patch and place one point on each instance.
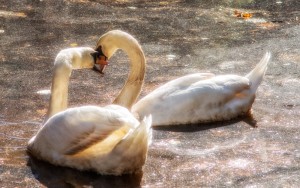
(227, 65)
(44, 92)
(181, 148)
(239, 163)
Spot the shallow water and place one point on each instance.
(178, 37)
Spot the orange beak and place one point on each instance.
(101, 61)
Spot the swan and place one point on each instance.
(65, 61)
(108, 140)
(202, 97)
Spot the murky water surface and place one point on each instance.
(178, 37)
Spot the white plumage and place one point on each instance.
(202, 97)
(108, 140)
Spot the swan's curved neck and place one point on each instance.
(65, 62)
(134, 83)
(59, 88)
(132, 88)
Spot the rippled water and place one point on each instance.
(178, 37)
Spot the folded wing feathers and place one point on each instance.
(87, 140)
(140, 134)
(139, 137)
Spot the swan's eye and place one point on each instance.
(99, 49)
(95, 55)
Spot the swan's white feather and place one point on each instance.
(202, 97)
(88, 137)
(205, 100)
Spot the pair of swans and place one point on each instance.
(110, 140)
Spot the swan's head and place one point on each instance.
(99, 59)
(110, 42)
(113, 40)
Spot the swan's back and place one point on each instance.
(156, 99)
(214, 99)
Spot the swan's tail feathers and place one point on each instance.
(147, 123)
(257, 74)
(138, 140)
(143, 133)
(134, 146)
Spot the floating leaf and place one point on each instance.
(4, 13)
(163, 3)
(21, 14)
(73, 44)
(268, 25)
(244, 15)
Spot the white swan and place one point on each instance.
(65, 61)
(108, 140)
(202, 97)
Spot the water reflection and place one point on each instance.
(248, 119)
(56, 176)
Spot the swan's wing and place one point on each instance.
(209, 100)
(182, 82)
(141, 107)
(203, 100)
(77, 129)
(213, 90)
